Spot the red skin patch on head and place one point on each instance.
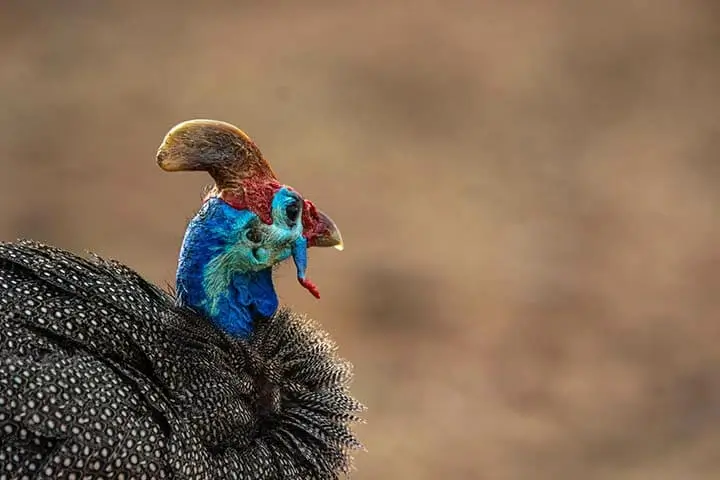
(257, 196)
(311, 226)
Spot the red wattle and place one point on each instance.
(310, 286)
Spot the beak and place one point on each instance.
(328, 233)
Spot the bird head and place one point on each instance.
(248, 223)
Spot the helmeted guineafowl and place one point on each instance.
(104, 375)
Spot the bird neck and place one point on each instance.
(230, 299)
(234, 309)
(247, 298)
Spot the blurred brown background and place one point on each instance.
(528, 192)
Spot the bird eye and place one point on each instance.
(292, 211)
(253, 235)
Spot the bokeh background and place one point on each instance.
(528, 191)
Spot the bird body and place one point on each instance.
(104, 375)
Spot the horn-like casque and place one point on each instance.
(219, 148)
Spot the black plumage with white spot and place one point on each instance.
(102, 376)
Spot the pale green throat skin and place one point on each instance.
(220, 270)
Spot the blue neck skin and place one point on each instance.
(219, 276)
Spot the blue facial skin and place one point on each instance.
(226, 260)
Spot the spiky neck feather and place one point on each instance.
(210, 278)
